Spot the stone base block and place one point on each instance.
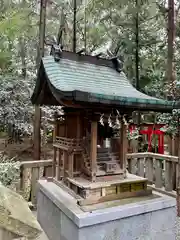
(141, 219)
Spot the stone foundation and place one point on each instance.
(62, 219)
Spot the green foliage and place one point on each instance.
(171, 120)
(109, 25)
(15, 104)
(133, 135)
(9, 170)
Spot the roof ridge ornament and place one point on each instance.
(98, 55)
(118, 64)
(56, 51)
(83, 50)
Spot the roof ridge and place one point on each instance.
(86, 58)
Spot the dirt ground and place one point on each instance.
(24, 151)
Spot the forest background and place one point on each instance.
(108, 26)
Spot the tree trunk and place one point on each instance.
(74, 25)
(37, 117)
(178, 177)
(170, 59)
(137, 61)
(137, 45)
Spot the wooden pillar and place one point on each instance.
(65, 164)
(54, 162)
(123, 145)
(173, 145)
(161, 143)
(93, 149)
(169, 142)
(71, 165)
(78, 126)
(62, 164)
(58, 165)
(178, 172)
(55, 131)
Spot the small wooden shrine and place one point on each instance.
(87, 87)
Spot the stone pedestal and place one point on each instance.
(140, 219)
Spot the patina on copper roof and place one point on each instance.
(89, 79)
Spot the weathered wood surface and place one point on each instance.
(93, 153)
(31, 172)
(160, 170)
(66, 143)
(112, 197)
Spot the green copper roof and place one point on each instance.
(97, 84)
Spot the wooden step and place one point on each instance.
(101, 173)
(103, 154)
(104, 162)
(99, 159)
(102, 150)
(115, 157)
(123, 195)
